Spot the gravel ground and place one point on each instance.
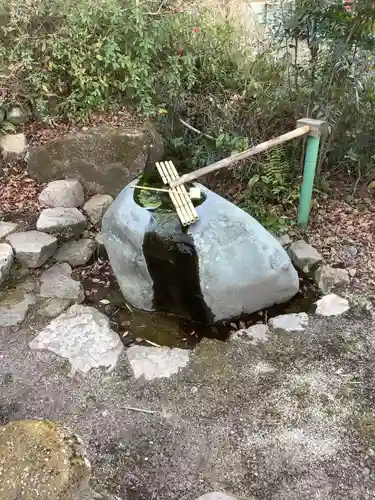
(291, 418)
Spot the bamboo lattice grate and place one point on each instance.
(178, 194)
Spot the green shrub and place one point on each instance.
(70, 58)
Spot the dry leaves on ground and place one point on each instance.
(344, 234)
(18, 192)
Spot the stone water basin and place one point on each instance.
(221, 267)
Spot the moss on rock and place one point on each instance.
(39, 460)
(104, 159)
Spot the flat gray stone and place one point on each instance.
(7, 228)
(331, 305)
(66, 193)
(156, 362)
(254, 334)
(56, 282)
(76, 253)
(63, 222)
(14, 307)
(239, 266)
(32, 248)
(13, 146)
(84, 337)
(294, 322)
(304, 256)
(51, 308)
(96, 206)
(327, 278)
(6, 260)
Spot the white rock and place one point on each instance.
(253, 334)
(13, 146)
(84, 337)
(64, 222)
(327, 277)
(56, 282)
(66, 193)
(294, 322)
(14, 307)
(331, 305)
(156, 362)
(76, 253)
(6, 260)
(32, 248)
(7, 228)
(96, 207)
(303, 255)
(51, 308)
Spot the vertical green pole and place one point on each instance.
(311, 159)
(317, 129)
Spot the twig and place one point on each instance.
(190, 127)
(158, 11)
(358, 179)
(141, 410)
(152, 343)
(150, 188)
(128, 307)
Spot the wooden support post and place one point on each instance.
(317, 129)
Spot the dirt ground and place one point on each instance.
(291, 418)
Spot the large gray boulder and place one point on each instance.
(102, 158)
(224, 265)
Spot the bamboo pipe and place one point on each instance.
(225, 162)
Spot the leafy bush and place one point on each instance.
(336, 81)
(70, 58)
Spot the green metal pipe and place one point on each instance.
(311, 160)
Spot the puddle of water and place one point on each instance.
(149, 328)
